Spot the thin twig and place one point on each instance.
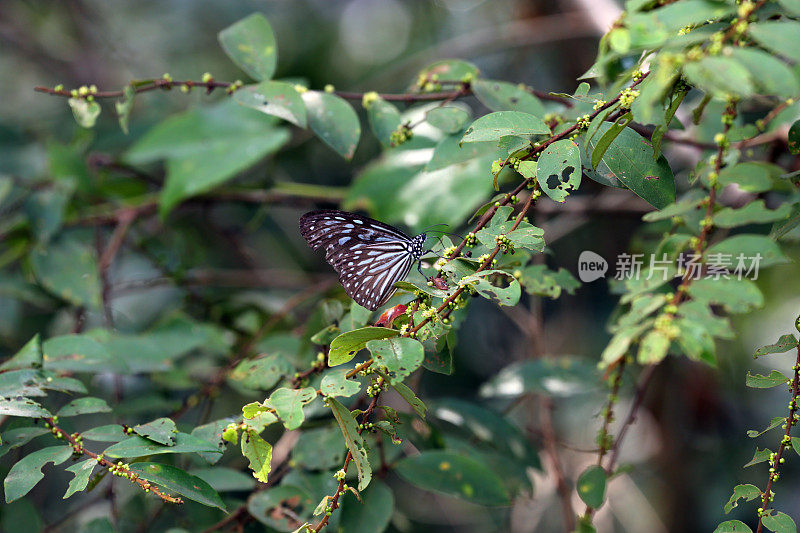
(549, 438)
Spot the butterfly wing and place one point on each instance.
(369, 256)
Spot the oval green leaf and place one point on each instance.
(334, 121)
(250, 43)
(346, 346)
(493, 126)
(276, 98)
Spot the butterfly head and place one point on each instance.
(418, 245)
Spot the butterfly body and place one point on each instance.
(368, 255)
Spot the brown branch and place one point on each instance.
(644, 382)
(117, 469)
(786, 439)
(549, 438)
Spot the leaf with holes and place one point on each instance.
(82, 472)
(748, 492)
(401, 356)
(559, 169)
(335, 383)
(757, 381)
(504, 288)
(161, 430)
(259, 453)
(784, 344)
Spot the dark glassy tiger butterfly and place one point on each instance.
(368, 255)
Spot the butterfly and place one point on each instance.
(369, 256)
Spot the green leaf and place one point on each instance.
(334, 121)
(539, 280)
(507, 295)
(751, 176)
(82, 406)
(559, 169)
(450, 119)
(780, 37)
(14, 438)
(695, 341)
(605, 140)
(775, 422)
(370, 515)
(78, 353)
(223, 479)
(733, 526)
(504, 96)
(796, 445)
(347, 345)
(781, 228)
(794, 138)
(450, 151)
(770, 75)
(487, 428)
(334, 383)
(45, 209)
(108, 433)
(288, 403)
(84, 111)
(736, 296)
(319, 448)
(493, 126)
(384, 119)
(68, 269)
(140, 446)
(748, 492)
(27, 472)
(454, 475)
(408, 395)
(347, 423)
(82, 472)
(629, 159)
(401, 356)
(276, 98)
(124, 107)
(250, 43)
(719, 76)
(29, 356)
(259, 453)
(784, 344)
(21, 406)
(792, 6)
(759, 457)
(262, 373)
(161, 430)
(779, 523)
(177, 480)
(557, 377)
(757, 381)
(653, 347)
(270, 507)
(450, 69)
(754, 212)
(326, 335)
(591, 486)
(205, 147)
(749, 248)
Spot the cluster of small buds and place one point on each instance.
(637, 74)
(404, 329)
(483, 258)
(367, 426)
(551, 118)
(207, 77)
(720, 139)
(471, 239)
(374, 389)
(707, 222)
(686, 29)
(329, 88)
(626, 97)
(513, 200)
(429, 313)
(746, 9)
(233, 87)
(450, 250)
(366, 371)
(505, 244)
(598, 104)
(664, 324)
(536, 194)
(513, 162)
(429, 84)
(439, 264)
(339, 475)
(86, 92)
(369, 98)
(469, 77)
(168, 78)
(300, 88)
(402, 134)
(583, 122)
(121, 469)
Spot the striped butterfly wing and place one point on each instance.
(369, 256)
